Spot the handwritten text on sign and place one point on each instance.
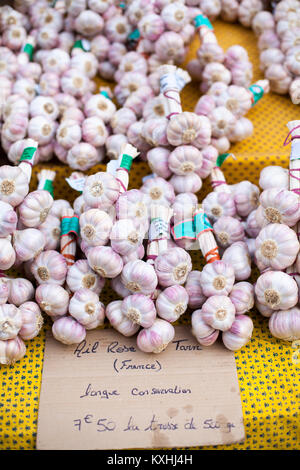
(106, 394)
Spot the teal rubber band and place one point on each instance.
(78, 44)
(28, 153)
(122, 5)
(48, 186)
(104, 93)
(69, 225)
(28, 49)
(257, 92)
(201, 20)
(134, 36)
(126, 161)
(185, 229)
(201, 223)
(221, 159)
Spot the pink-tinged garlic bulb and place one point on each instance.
(86, 308)
(32, 320)
(52, 299)
(210, 52)
(13, 185)
(158, 191)
(270, 56)
(218, 312)
(117, 29)
(218, 204)
(80, 275)
(56, 61)
(156, 338)
(194, 290)
(248, 10)
(101, 190)
(88, 23)
(79, 205)
(9, 65)
(151, 26)
(7, 254)
(205, 105)
(292, 60)
(118, 286)
(114, 144)
(279, 78)
(239, 334)
(100, 106)
(49, 84)
(10, 321)
(175, 16)
(95, 227)
(214, 72)
(119, 321)
(35, 208)
(294, 91)
(155, 108)
(44, 106)
(94, 131)
(73, 114)
(262, 21)
(263, 309)
(280, 206)
(139, 309)
(172, 302)
(12, 350)
(209, 158)
(204, 333)
(252, 227)
(105, 261)
(68, 331)
(189, 128)
(83, 156)
(217, 278)
(237, 255)
(86, 62)
(228, 230)
(184, 160)
(277, 247)
(8, 219)
(28, 244)
(276, 290)
(236, 99)
(250, 242)
(158, 162)
(139, 277)
(51, 267)
(100, 47)
(154, 132)
(190, 183)
(24, 87)
(51, 230)
(41, 129)
(172, 267)
(222, 121)
(242, 297)
(133, 204)
(285, 324)
(106, 70)
(58, 207)
(246, 197)
(170, 46)
(68, 133)
(4, 290)
(75, 83)
(125, 237)
(131, 62)
(20, 291)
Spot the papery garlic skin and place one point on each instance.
(218, 312)
(95, 227)
(204, 333)
(68, 133)
(119, 321)
(68, 331)
(12, 350)
(228, 230)
(217, 278)
(13, 185)
(239, 334)
(86, 308)
(101, 190)
(280, 206)
(32, 320)
(285, 324)
(172, 302)
(172, 267)
(189, 128)
(7, 254)
(185, 159)
(139, 309)
(10, 321)
(156, 338)
(189, 183)
(237, 255)
(139, 277)
(80, 275)
(20, 291)
(158, 191)
(277, 247)
(274, 177)
(194, 290)
(105, 261)
(276, 290)
(34, 209)
(51, 267)
(28, 243)
(52, 299)
(242, 297)
(125, 237)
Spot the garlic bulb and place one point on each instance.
(32, 320)
(94, 131)
(184, 160)
(242, 297)
(34, 209)
(118, 286)
(86, 308)
(83, 156)
(172, 266)
(105, 261)
(80, 275)
(239, 334)
(246, 197)
(139, 309)
(280, 206)
(204, 333)
(157, 159)
(194, 290)
(44, 106)
(10, 321)
(277, 247)
(125, 237)
(20, 291)
(158, 191)
(28, 243)
(156, 338)
(101, 190)
(100, 106)
(12, 350)
(7, 254)
(252, 226)
(133, 205)
(228, 230)
(4, 290)
(51, 267)
(95, 227)
(172, 302)
(285, 324)
(276, 290)
(51, 231)
(218, 312)
(119, 321)
(8, 219)
(263, 309)
(68, 133)
(237, 255)
(139, 277)
(189, 183)
(68, 331)
(52, 299)
(217, 278)
(13, 185)
(274, 177)
(189, 128)
(218, 204)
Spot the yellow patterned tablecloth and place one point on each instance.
(268, 378)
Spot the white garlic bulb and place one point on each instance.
(51, 267)
(52, 299)
(68, 331)
(86, 308)
(156, 338)
(276, 290)
(172, 302)
(20, 291)
(95, 227)
(80, 275)
(12, 350)
(34, 209)
(10, 321)
(32, 320)
(119, 320)
(13, 185)
(28, 243)
(7, 254)
(139, 277)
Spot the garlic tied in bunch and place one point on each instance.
(10, 321)
(52, 299)
(228, 230)
(34, 209)
(68, 331)
(217, 278)
(86, 308)
(119, 321)
(172, 267)
(274, 177)
(80, 275)
(172, 302)
(239, 333)
(12, 350)
(237, 255)
(156, 338)
(285, 324)
(49, 266)
(139, 277)
(139, 309)
(218, 312)
(280, 206)
(203, 332)
(276, 290)
(32, 320)
(194, 290)
(13, 185)
(28, 243)
(20, 291)
(95, 227)
(242, 297)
